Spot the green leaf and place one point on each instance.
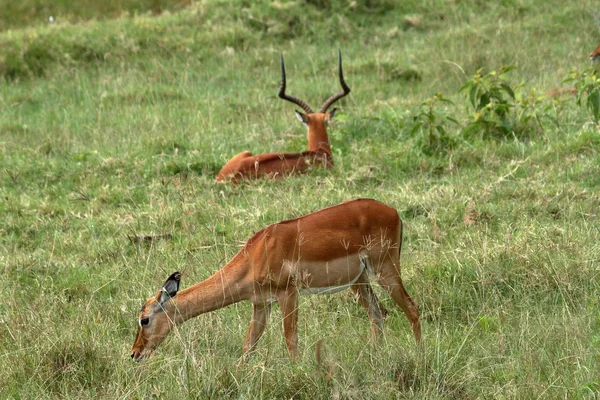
(484, 100)
(508, 90)
(593, 103)
(415, 128)
(506, 69)
(465, 86)
(473, 96)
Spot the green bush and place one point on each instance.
(587, 84)
(502, 110)
(430, 125)
(492, 99)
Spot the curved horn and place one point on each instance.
(345, 88)
(284, 96)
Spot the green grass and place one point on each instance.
(19, 14)
(115, 125)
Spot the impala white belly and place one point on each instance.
(327, 277)
(327, 289)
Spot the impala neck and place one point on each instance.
(220, 290)
(317, 134)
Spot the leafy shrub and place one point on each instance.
(492, 99)
(430, 124)
(587, 84)
(501, 110)
(531, 111)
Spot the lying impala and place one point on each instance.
(247, 166)
(594, 56)
(323, 252)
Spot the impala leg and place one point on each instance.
(233, 168)
(392, 283)
(368, 299)
(288, 302)
(260, 313)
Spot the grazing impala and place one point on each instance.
(247, 166)
(323, 252)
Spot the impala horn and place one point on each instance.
(345, 88)
(284, 96)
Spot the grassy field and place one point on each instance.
(114, 123)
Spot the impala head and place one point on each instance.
(309, 117)
(595, 55)
(156, 319)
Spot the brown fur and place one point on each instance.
(595, 55)
(560, 92)
(325, 249)
(277, 165)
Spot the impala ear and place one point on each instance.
(302, 117)
(170, 288)
(331, 114)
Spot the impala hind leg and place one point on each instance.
(369, 301)
(390, 280)
(233, 168)
(260, 314)
(288, 302)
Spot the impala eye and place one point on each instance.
(144, 321)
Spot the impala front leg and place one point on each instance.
(288, 302)
(260, 314)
